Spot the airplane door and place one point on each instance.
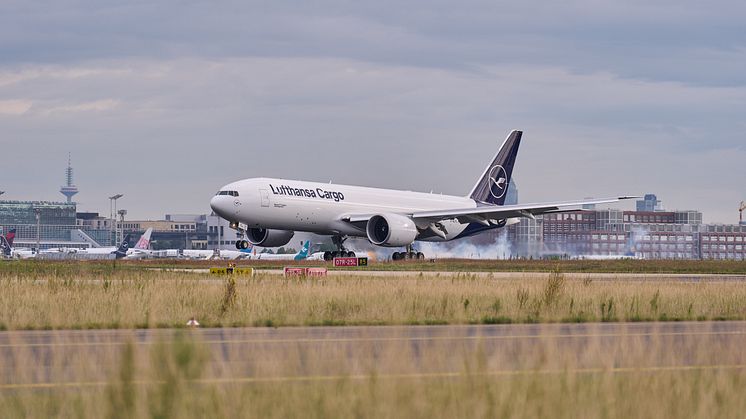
(264, 194)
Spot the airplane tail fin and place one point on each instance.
(123, 247)
(492, 186)
(10, 236)
(303, 251)
(144, 242)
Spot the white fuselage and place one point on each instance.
(320, 207)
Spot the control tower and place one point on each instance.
(69, 189)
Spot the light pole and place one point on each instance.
(122, 213)
(37, 212)
(113, 213)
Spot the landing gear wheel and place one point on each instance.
(407, 255)
(238, 244)
(244, 244)
(341, 251)
(420, 256)
(395, 256)
(328, 256)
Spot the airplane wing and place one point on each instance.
(483, 214)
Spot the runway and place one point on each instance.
(596, 276)
(50, 359)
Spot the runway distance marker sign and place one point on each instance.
(350, 262)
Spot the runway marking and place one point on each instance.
(358, 377)
(382, 339)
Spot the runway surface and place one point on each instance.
(511, 275)
(52, 359)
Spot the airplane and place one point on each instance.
(212, 254)
(10, 252)
(142, 251)
(119, 251)
(268, 211)
(6, 244)
(301, 255)
(142, 247)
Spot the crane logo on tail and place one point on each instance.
(498, 181)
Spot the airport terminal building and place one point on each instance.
(46, 224)
(646, 234)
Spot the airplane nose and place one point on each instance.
(218, 205)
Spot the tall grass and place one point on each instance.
(145, 299)
(33, 267)
(637, 376)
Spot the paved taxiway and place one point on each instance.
(46, 359)
(695, 277)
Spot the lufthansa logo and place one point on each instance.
(498, 181)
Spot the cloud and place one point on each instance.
(95, 106)
(14, 107)
(614, 97)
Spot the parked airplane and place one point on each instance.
(268, 211)
(301, 255)
(9, 251)
(119, 251)
(212, 254)
(6, 243)
(142, 251)
(142, 247)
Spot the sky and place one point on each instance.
(167, 101)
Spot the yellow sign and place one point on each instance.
(232, 271)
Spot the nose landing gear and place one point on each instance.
(241, 244)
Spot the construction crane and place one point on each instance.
(740, 212)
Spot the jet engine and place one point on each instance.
(391, 230)
(269, 238)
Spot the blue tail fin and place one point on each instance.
(303, 251)
(492, 186)
(123, 247)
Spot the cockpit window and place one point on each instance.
(231, 193)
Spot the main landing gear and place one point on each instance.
(341, 252)
(410, 254)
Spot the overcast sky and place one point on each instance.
(166, 101)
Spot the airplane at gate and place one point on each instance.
(268, 211)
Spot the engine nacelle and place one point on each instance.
(268, 238)
(391, 230)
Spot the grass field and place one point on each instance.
(181, 378)
(31, 267)
(100, 296)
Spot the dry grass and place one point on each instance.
(182, 378)
(440, 265)
(185, 377)
(139, 298)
